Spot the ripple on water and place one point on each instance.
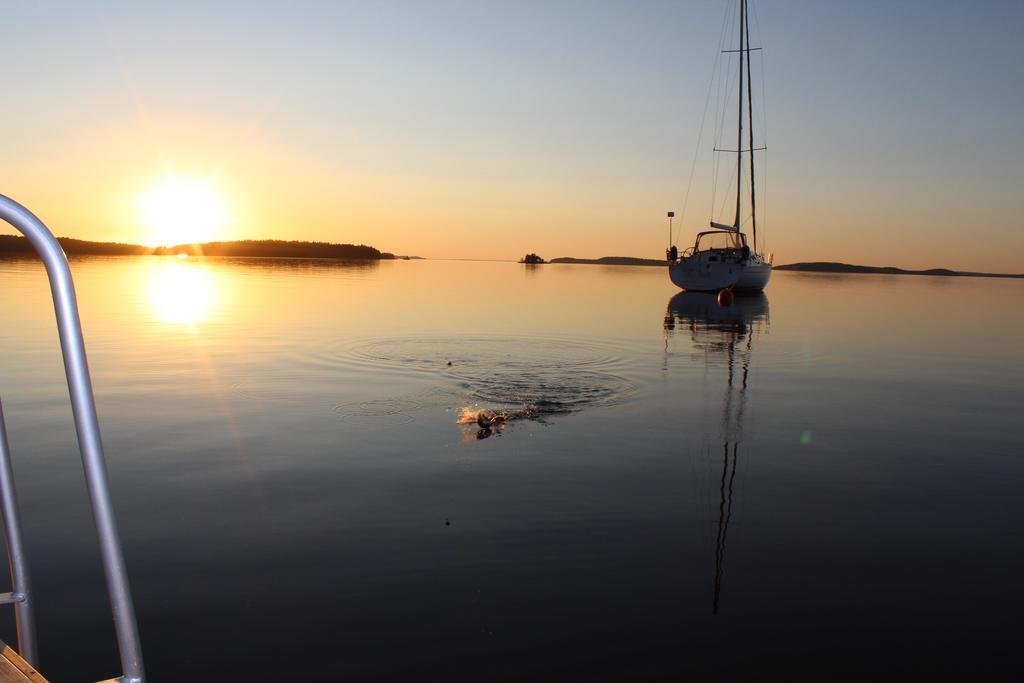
(396, 410)
(550, 376)
(470, 353)
(537, 377)
(382, 407)
(548, 392)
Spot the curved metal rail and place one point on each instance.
(87, 427)
(20, 590)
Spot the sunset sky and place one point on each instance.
(484, 129)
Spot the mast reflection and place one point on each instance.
(724, 333)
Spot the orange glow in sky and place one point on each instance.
(492, 129)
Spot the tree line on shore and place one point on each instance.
(17, 245)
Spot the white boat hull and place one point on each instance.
(699, 274)
(755, 276)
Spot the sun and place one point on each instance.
(182, 211)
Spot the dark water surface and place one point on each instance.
(820, 484)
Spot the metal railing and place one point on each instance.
(83, 407)
(20, 592)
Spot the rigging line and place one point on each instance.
(764, 107)
(726, 73)
(723, 35)
(725, 198)
(717, 133)
(723, 94)
(700, 134)
(764, 202)
(721, 126)
(696, 150)
(764, 190)
(763, 110)
(764, 133)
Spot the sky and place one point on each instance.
(483, 129)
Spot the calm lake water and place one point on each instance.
(823, 483)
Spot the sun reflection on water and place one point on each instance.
(183, 293)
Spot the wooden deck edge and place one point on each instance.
(13, 664)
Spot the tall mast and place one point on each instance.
(739, 127)
(750, 120)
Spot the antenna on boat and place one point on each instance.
(671, 215)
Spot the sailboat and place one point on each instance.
(722, 258)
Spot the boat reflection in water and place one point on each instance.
(725, 334)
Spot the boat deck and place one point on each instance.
(14, 669)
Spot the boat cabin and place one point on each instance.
(722, 245)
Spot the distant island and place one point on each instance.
(612, 261)
(832, 267)
(812, 267)
(532, 259)
(14, 245)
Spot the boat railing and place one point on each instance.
(20, 592)
(83, 407)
